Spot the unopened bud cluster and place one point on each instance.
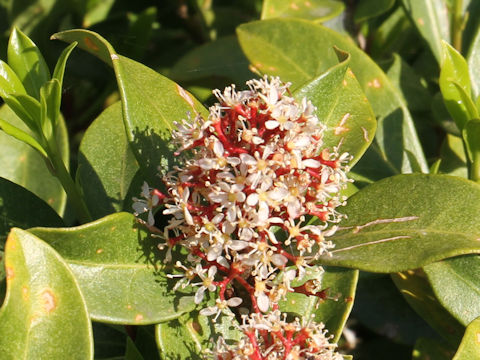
(257, 173)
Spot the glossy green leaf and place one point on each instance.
(27, 62)
(20, 208)
(196, 332)
(473, 60)
(471, 136)
(59, 70)
(50, 100)
(22, 136)
(470, 346)
(27, 109)
(407, 221)
(339, 286)
(416, 290)
(44, 315)
(429, 349)
(457, 286)
(106, 164)
(431, 20)
(97, 11)
(367, 9)
(299, 51)
(23, 165)
(318, 10)
(120, 271)
(453, 158)
(343, 108)
(454, 75)
(151, 103)
(9, 81)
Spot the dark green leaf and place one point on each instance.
(9, 81)
(44, 315)
(27, 62)
(109, 341)
(151, 103)
(343, 108)
(23, 165)
(50, 99)
(318, 10)
(20, 208)
(367, 9)
(299, 51)
(120, 271)
(457, 286)
(431, 19)
(141, 30)
(470, 346)
(407, 221)
(471, 137)
(429, 349)
(97, 11)
(453, 77)
(131, 352)
(197, 332)
(106, 164)
(453, 158)
(339, 286)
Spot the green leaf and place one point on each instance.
(407, 221)
(299, 51)
(59, 70)
(20, 208)
(454, 76)
(44, 315)
(9, 81)
(456, 285)
(430, 17)
(151, 103)
(339, 286)
(416, 290)
(197, 332)
(22, 136)
(27, 62)
(318, 10)
(471, 137)
(367, 9)
(109, 341)
(131, 352)
(24, 166)
(26, 108)
(470, 346)
(428, 349)
(50, 100)
(473, 60)
(343, 108)
(106, 164)
(97, 11)
(114, 259)
(453, 158)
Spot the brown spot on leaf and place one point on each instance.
(344, 82)
(375, 83)
(420, 21)
(294, 6)
(22, 158)
(348, 299)
(90, 44)
(185, 95)
(272, 68)
(113, 228)
(139, 317)
(25, 293)
(99, 251)
(308, 3)
(49, 300)
(51, 201)
(129, 307)
(477, 337)
(10, 272)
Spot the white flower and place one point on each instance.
(147, 204)
(207, 282)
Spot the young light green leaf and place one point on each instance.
(470, 346)
(430, 17)
(27, 62)
(133, 276)
(318, 10)
(342, 107)
(367, 9)
(20, 208)
(44, 315)
(9, 81)
(454, 75)
(339, 289)
(456, 286)
(59, 70)
(50, 100)
(473, 60)
(407, 221)
(21, 106)
(22, 136)
(299, 51)
(471, 137)
(151, 103)
(106, 164)
(23, 165)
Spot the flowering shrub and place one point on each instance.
(243, 225)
